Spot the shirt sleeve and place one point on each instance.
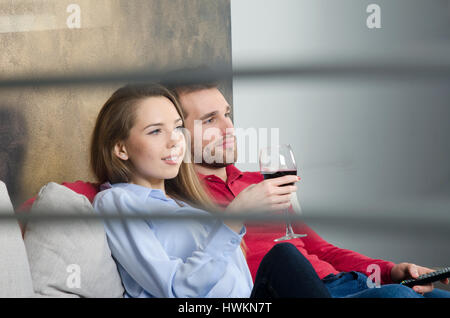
(134, 245)
(342, 259)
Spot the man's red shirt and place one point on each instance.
(323, 256)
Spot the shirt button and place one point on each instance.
(234, 241)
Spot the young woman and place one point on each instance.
(137, 152)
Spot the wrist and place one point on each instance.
(393, 275)
(233, 207)
(398, 272)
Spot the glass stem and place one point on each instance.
(289, 230)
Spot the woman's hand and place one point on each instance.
(404, 271)
(268, 195)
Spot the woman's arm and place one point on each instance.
(134, 245)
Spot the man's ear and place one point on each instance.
(120, 151)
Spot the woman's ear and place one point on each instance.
(120, 151)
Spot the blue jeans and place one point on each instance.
(285, 273)
(354, 285)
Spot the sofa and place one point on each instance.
(56, 257)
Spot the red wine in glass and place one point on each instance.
(275, 162)
(278, 174)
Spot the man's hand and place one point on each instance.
(404, 271)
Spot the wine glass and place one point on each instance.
(274, 162)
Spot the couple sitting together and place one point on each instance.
(137, 151)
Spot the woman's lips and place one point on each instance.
(172, 160)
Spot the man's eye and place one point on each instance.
(228, 114)
(208, 121)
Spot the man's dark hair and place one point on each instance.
(188, 80)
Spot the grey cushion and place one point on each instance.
(15, 277)
(69, 258)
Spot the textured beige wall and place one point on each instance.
(44, 132)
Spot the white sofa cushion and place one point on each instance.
(69, 258)
(15, 277)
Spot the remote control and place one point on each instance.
(428, 278)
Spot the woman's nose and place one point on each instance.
(175, 140)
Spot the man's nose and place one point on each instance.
(227, 126)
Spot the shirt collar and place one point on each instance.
(138, 189)
(232, 174)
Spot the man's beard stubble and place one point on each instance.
(224, 163)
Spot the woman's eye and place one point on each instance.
(228, 114)
(154, 132)
(179, 128)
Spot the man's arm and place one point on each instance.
(347, 260)
(343, 260)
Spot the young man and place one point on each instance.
(344, 272)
